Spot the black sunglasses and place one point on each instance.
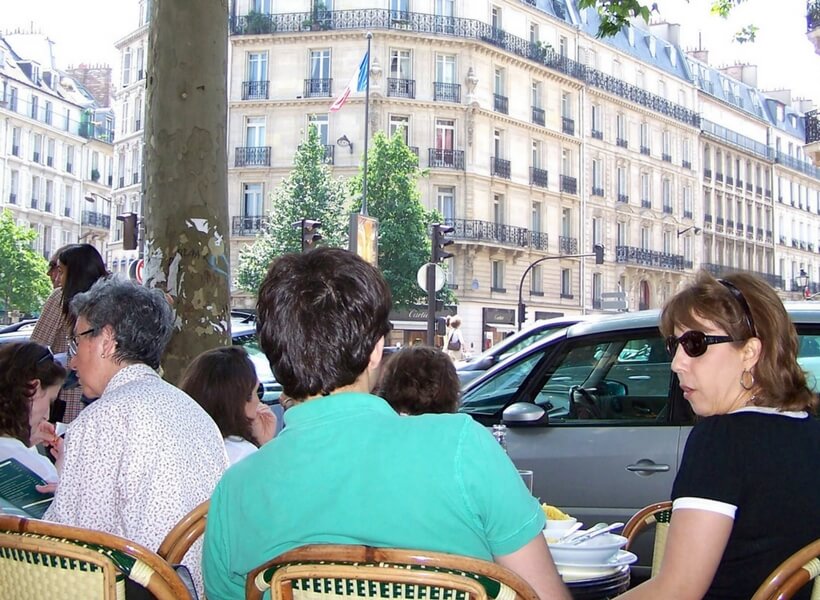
(260, 391)
(694, 342)
(48, 355)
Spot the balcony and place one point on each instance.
(446, 159)
(15, 150)
(567, 245)
(401, 88)
(69, 167)
(501, 104)
(625, 199)
(252, 156)
(121, 181)
(686, 164)
(35, 156)
(645, 150)
(539, 240)
(35, 202)
(707, 173)
(730, 180)
(649, 258)
(446, 92)
(496, 233)
(255, 90)
(500, 167)
(135, 178)
(49, 161)
(567, 125)
(67, 211)
(622, 142)
(768, 194)
(717, 270)
(94, 219)
(598, 191)
(730, 224)
(813, 116)
(538, 116)
(719, 176)
(330, 154)
(539, 177)
(707, 218)
(47, 206)
(318, 88)
(568, 184)
(749, 187)
(666, 157)
(246, 226)
(597, 134)
(667, 209)
(687, 214)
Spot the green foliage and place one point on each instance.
(309, 192)
(24, 285)
(747, 34)
(394, 199)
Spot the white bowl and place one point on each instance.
(596, 551)
(561, 523)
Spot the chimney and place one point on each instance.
(701, 54)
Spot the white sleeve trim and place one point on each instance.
(715, 506)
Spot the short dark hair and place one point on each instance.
(420, 379)
(84, 266)
(141, 318)
(780, 382)
(320, 315)
(221, 381)
(20, 364)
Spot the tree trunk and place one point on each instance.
(185, 204)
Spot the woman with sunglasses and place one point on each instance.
(747, 494)
(29, 383)
(223, 381)
(79, 266)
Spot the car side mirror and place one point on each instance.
(485, 363)
(524, 414)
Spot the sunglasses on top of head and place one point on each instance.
(694, 343)
(260, 391)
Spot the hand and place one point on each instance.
(43, 433)
(263, 426)
(48, 488)
(57, 451)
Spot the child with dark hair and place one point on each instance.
(420, 379)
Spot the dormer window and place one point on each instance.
(630, 36)
(35, 73)
(780, 112)
(673, 56)
(793, 120)
(652, 43)
(2, 58)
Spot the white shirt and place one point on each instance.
(238, 448)
(137, 460)
(29, 457)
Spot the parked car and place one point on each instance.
(469, 370)
(23, 325)
(596, 412)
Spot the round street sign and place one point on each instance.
(421, 277)
(135, 270)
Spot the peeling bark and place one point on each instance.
(185, 203)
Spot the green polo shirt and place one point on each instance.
(348, 470)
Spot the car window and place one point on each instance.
(495, 393)
(525, 342)
(809, 358)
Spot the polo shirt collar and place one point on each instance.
(334, 406)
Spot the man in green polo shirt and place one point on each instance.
(347, 469)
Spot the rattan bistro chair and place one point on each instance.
(39, 560)
(657, 514)
(180, 539)
(796, 571)
(340, 572)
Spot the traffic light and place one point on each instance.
(598, 249)
(440, 241)
(129, 231)
(310, 233)
(522, 313)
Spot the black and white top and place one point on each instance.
(760, 467)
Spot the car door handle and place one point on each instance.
(647, 466)
(638, 377)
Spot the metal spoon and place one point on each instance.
(569, 532)
(572, 535)
(589, 535)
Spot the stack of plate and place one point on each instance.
(598, 557)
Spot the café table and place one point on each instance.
(602, 587)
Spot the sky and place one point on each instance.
(85, 31)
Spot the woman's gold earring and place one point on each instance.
(743, 381)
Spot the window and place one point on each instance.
(36, 147)
(14, 185)
(402, 123)
(498, 143)
(535, 221)
(126, 67)
(15, 141)
(566, 222)
(566, 283)
(536, 94)
(320, 121)
(537, 281)
(536, 154)
(35, 192)
(597, 230)
(566, 105)
(34, 106)
(562, 45)
(497, 272)
(138, 114)
(667, 242)
(446, 203)
(262, 6)
(661, 88)
(445, 68)
(135, 166)
(252, 203)
(620, 125)
(687, 201)
(667, 193)
(640, 79)
(686, 160)
(257, 66)
(646, 237)
(498, 82)
(496, 18)
(49, 195)
(646, 192)
(597, 289)
(13, 99)
(124, 125)
(68, 200)
(498, 208)
(623, 188)
(667, 146)
(566, 162)
(597, 177)
(49, 110)
(320, 64)
(140, 63)
(534, 33)
(50, 152)
(445, 134)
(401, 64)
(597, 126)
(255, 132)
(622, 236)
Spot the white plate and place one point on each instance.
(583, 574)
(623, 557)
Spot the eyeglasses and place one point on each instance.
(738, 295)
(694, 343)
(72, 344)
(260, 391)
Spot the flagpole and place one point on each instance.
(366, 125)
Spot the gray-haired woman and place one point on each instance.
(144, 454)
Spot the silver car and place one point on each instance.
(596, 412)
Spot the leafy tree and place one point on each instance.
(24, 284)
(309, 192)
(394, 199)
(616, 14)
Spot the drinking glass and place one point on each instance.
(526, 475)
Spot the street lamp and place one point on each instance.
(802, 281)
(690, 228)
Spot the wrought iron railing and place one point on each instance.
(568, 184)
(568, 125)
(597, 191)
(501, 104)
(538, 116)
(735, 139)
(252, 156)
(95, 219)
(500, 167)
(597, 134)
(567, 245)
(666, 157)
(539, 177)
(246, 225)
(255, 90)
(645, 150)
(718, 270)
(486, 231)
(330, 154)
(686, 164)
(376, 18)
(812, 15)
(667, 209)
(446, 92)
(401, 88)
(448, 159)
(318, 88)
(813, 122)
(539, 240)
(622, 142)
(649, 258)
(798, 165)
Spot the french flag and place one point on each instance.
(357, 82)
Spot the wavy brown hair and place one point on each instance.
(221, 381)
(20, 365)
(420, 379)
(780, 382)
